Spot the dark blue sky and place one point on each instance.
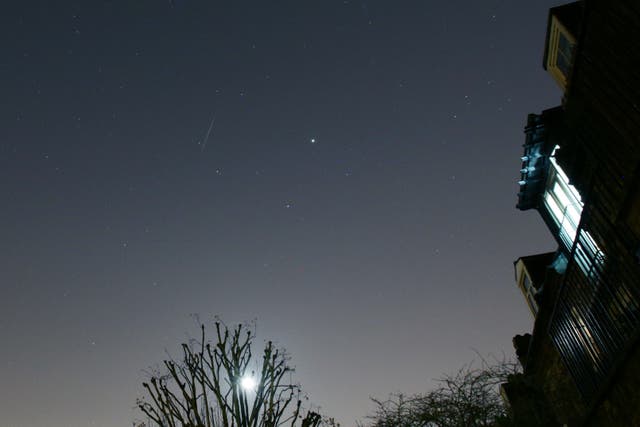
(356, 193)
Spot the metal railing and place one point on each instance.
(597, 314)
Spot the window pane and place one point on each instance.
(563, 65)
(565, 47)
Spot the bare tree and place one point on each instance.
(221, 385)
(468, 398)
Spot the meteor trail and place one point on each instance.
(206, 138)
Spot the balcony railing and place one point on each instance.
(597, 314)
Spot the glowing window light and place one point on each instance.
(565, 205)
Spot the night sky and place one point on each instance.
(342, 171)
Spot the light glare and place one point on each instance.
(248, 383)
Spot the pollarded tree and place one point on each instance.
(219, 384)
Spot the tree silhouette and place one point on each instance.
(221, 385)
(468, 398)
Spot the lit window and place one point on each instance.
(564, 204)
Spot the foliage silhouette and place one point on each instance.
(204, 388)
(468, 398)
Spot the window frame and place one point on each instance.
(556, 30)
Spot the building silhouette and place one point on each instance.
(581, 172)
